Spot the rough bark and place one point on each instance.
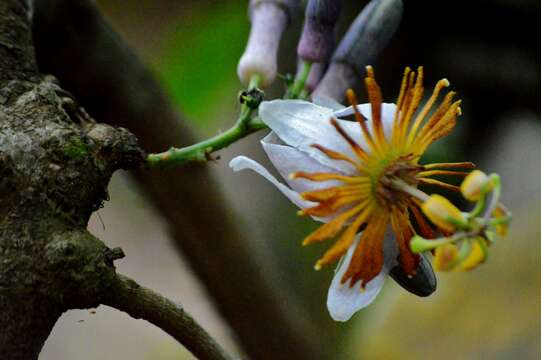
(55, 165)
(54, 172)
(71, 39)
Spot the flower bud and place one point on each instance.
(366, 37)
(269, 19)
(443, 213)
(317, 39)
(475, 185)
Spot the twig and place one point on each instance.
(142, 303)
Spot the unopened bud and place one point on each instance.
(443, 213)
(269, 19)
(317, 39)
(365, 39)
(476, 184)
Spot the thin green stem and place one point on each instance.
(298, 85)
(201, 152)
(479, 207)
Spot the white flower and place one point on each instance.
(297, 125)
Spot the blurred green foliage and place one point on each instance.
(198, 61)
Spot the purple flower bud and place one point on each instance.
(317, 39)
(369, 34)
(366, 37)
(269, 19)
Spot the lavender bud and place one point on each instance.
(369, 34)
(269, 19)
(366, 37)
(317, 39)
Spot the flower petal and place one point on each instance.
(242, 163)
(342, 300)
(387, 113)
(327, 102)
(301, 124)
(287, 160)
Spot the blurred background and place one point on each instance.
(487, 51)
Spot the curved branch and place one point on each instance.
(142, 303)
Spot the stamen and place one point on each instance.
(375, 98)
(404, 110)
(331, 206)
(401, 227)
(335, 155)
(426, 108)
(439, 183)
(361, 154)
(343, 243)
(399, 103)
(327, 177)
(331, 228)
(416, 97)
(424, 228)
(442, 172)
(367, 259)
(458, 165)
(443, 127)
(361, 120)
(328, 193)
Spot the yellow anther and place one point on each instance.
(475, 185)
(445, 257)
(478, 254)
(443, 213)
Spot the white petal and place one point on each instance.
(387, 112)
(327, 102)
(342, 300)
(301, 124)
(287, 160)
(242, 163)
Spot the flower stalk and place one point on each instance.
(245, 125)
(296, 89)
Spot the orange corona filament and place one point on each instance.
(368, 197)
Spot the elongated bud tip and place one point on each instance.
(269, 19)
(370, 33)
(317, 39)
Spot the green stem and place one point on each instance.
(298, 85)
(201, 151)
(479, 207)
